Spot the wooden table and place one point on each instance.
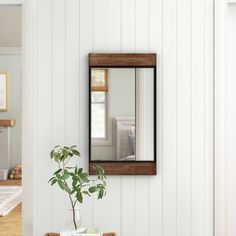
(56, 234)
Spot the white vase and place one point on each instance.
(73, 218)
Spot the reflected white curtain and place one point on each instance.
(144, 114)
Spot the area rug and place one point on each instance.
(10, 197)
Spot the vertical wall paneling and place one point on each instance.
(44, 208)
(178, 200)
(230, 115)
(183, 101)
(128, 14)
(169, 118)
(85, 47)
(112, 204)
(209, 111)
(142, 25)
(107, 36)
(142, 183)
(220, 81)
(59, 99)
(72, 71)
(100, 33)
(128, 210)
(100, 22)
(72, 68)
(155, 45)
(225, 113)
(114, 34)
(198, 124)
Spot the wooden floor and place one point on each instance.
(10, 225)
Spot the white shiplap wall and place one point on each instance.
(179, 200)
(229, 115)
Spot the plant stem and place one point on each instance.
(74, 202)
(73, 211)
(71, 201)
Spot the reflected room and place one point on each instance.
(122, 114)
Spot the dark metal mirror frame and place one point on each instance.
(123, 60)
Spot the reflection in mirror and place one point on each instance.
(122, 115)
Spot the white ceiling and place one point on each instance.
(10, 26)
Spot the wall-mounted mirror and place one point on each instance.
(122, 92)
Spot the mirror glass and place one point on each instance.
(122, 114)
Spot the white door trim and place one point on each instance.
(220, 221)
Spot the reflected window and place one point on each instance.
(100, 80)
(99, 103)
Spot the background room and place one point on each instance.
(10, 120)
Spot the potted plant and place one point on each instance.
(74, 181)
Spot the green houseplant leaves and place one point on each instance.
(74, 181)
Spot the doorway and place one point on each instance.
(10, 120)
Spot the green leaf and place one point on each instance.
(51, 179)
(84, 175)
(61, 184)
(74, 180)
(87, 193)
(65, 176)
(92, 189)
(65, 153)
(57, 156)
(86, 180)
(76, 152)
(79, 171)
(73, 191)
(77, 179)
(100, 194)
(58, 176)
(74, 183)
(79, 197)
(51, 154)
(67, 189)
(54, 181)
(99, 170)
(70, 153)
(71, 174)
(57, 172)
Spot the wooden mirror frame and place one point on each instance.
(123, 60)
